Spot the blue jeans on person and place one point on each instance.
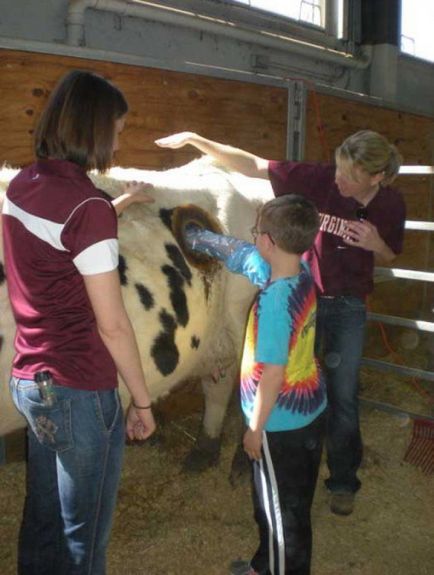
(339, 343)
(74, 459)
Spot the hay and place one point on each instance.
(168, 523)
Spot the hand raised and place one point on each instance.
(175, 140)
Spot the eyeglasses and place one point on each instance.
(255, 233)
(362, 214)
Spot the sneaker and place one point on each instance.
(242, 568)
(342, 502)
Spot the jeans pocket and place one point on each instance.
(50, 424)
(108, 407)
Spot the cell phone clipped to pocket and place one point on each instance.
(44, 381)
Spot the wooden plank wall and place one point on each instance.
(161, 102)
(250, 116)
(414, 136)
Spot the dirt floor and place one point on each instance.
(170, 523)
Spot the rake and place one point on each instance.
(420, 452)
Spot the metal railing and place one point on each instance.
(417, 325)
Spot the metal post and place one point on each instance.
(296, 120)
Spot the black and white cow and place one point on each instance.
(188, 315)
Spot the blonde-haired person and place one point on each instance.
(362, 220)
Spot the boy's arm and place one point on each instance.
(274, 329)
(239, 257)
(266, 395)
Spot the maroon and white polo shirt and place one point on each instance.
(58, 227)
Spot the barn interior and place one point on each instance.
(284, 80)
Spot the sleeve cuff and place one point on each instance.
(98, 258)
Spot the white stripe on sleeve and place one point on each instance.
(98, 258)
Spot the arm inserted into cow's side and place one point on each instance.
(239, 257)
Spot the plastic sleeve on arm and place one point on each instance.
(238, 256)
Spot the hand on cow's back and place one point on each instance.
(133, 193)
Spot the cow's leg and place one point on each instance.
(217, 389)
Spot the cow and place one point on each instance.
(187, 311)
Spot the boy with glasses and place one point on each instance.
(283, 394)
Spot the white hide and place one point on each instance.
(218, 321)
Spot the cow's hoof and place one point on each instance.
(240, 467)
(205, 454)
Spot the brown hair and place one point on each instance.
(78, 122)
(292, 221)
(372, 152)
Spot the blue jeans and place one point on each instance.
(75, 450)
(339, 343)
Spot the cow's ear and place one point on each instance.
(188, 215)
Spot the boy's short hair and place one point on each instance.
(292, 221)
(78, 122)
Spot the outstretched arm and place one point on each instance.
(239, 257)
(230, 157)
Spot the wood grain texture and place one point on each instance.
(161, 102)
(251, 116)
(339, 118)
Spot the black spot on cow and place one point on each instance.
(195, 342)
(164, 351)
(179, 262)
(145, 296)
(167, 321)
(166, 217)
(122, 269)
(177, 294)
(2, 274)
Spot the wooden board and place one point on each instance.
(339, 117)
(161, 102)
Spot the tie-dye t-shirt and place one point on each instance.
(280, 331)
